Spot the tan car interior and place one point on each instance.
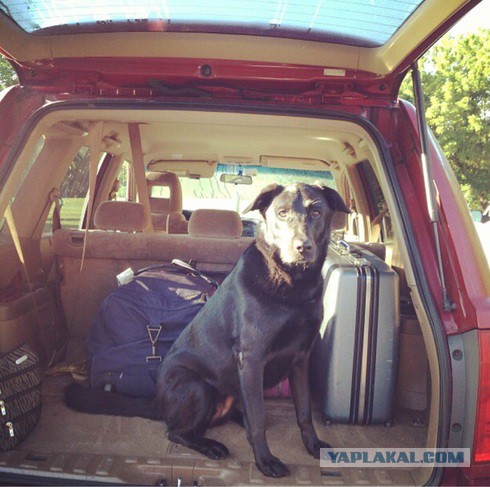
(71, 270)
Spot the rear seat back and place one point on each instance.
(216, 246)
(208, 252)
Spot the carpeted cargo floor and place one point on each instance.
(61, 429)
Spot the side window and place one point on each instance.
(381, 227)
(123, 189)
(74, 189)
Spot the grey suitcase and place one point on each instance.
(354, 360)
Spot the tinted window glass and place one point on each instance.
(357, 22)
(380, 214)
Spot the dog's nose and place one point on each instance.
(302, 246)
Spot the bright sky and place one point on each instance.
(477, 17)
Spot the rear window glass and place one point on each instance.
(356, 22)
(379, 208)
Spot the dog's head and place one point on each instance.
(297, 220)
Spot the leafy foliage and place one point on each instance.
(456, 78)
(7, 74)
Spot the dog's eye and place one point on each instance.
(282, 213)
(315, 213)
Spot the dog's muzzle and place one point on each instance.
(304, 251)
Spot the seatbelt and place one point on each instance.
(94, 141)
(139, 168)
(56, 271)
(15, 237)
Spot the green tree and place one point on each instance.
(456, 80)
(7, 74)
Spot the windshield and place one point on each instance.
(214, 194)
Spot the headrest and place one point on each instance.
(124, 216)
(173, 204)
(215, 224)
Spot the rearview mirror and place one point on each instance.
(235, 179)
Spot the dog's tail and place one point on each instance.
(94, 401)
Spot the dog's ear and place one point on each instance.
(334, 200)
(264, 199)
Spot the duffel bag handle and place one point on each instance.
(181, 266)
(184, 265)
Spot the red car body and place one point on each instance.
(218, 84)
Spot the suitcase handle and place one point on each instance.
(356, 256)
(344, 244)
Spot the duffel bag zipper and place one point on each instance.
(10, 426)
(204, 297)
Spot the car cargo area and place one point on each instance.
(136, 451)
(71, 270)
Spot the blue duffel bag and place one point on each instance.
(137, 324)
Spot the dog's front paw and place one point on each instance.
(314, 446)
(273, 467)
(215, 450)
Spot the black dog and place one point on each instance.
(256, 330)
